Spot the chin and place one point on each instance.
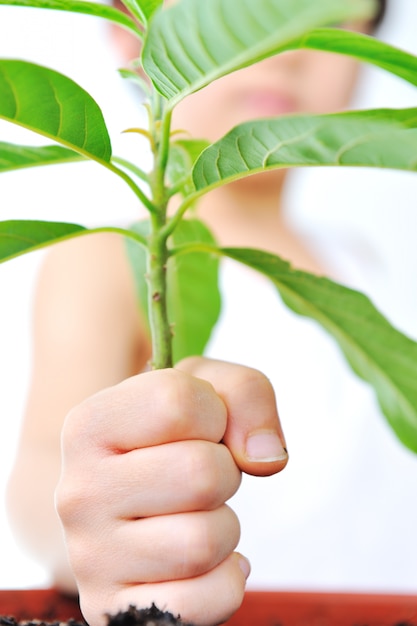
(262, 183)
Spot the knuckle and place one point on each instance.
(201, 549)
(211, 475)
(67, 502)
(91, 554)
(257, 392)
(88, 425)
(235, 593)
(189, 363)
(233, 527)
(209, 539)
(77, 425)
(203, 478)
(255, 380)
(171, 402)
(83, 557)
(175, 405)
(73, 500)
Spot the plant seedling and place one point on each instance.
(184, 48)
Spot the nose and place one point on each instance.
(291, 59)
(286, 64)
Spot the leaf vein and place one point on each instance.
(59, 105)
(14, 94)
(284, 143)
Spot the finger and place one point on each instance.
(253, 432)
(147, 410)
(168, 547)
(190, 475)
(205, 600)
(173, 478)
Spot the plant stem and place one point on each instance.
(158, 314)
(173, 222)
(158, 249)
(134, 187)
(133, 168)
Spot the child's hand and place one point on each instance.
(144, 485)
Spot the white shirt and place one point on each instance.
(343, 514)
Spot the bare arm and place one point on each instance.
(88, 335)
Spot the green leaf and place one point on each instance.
(131, 167)
(80, 6)
(20, 236)
(363, 48)
(380, 138)
(377, 352)
(193, 42)
(192, 278)
(182, 156)
(15, 157)
(148, 8)
(53, 105)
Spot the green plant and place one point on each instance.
(203, 41)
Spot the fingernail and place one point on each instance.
(244, 565)
(265, 447)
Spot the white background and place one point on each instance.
(380, 205)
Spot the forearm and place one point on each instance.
(88, 335)
(34, 521)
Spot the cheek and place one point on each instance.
(189, 116)
(331, 85)
(204, 114)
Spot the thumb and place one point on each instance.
(253, 433)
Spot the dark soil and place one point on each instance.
(132, 617)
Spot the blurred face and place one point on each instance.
(302, 81)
